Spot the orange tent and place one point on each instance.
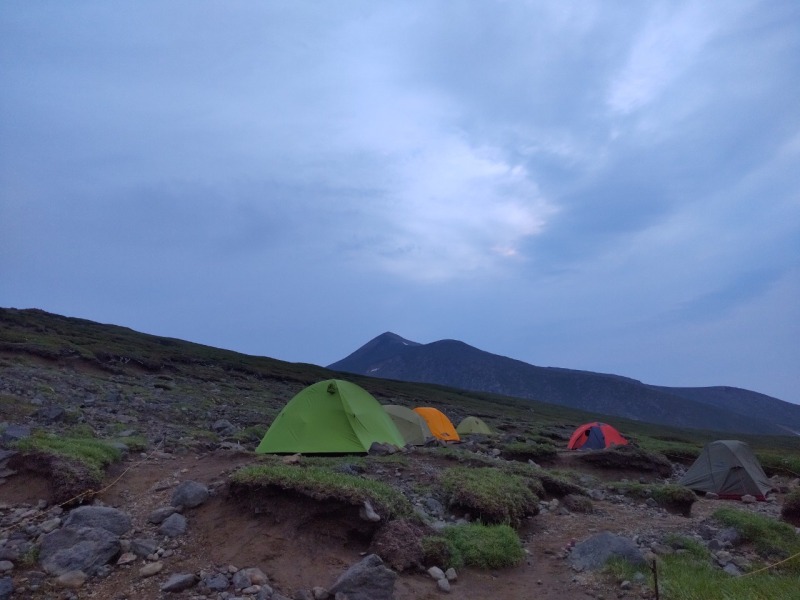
(439, 424)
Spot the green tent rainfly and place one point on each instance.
(473, 425)
(728, 468)
(331, 416)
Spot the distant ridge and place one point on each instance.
(456, 364)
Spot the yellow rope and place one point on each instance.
(91, 493)
(770, 566)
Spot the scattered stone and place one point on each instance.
(77, 549)
(50, 525)
(241, 579)
(6, 588)
(379, 449)
(174, 525)
(451, 574)
(111, 519)
(217, 582)
(143, 547)
(151, 569)
(320, 593)
(443, 585)
(748, 499)
(126, 558)
(71, 579)
(6, 566)
(367, 513)
(256, 576)
(436, 573)
(292, 459)
(368, 579)
(595, 551)
(179, 582)
(158, 515)
(223, 427)
(190, 494)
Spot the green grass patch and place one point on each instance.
(780, 464)
(475, 545)
(490, 494)
(772, 539)
(682, 577)
(322, 483)
(93, 453)
(675, 449)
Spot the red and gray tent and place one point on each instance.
(595, 436)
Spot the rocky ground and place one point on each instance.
(159, 543)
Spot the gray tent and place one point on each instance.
(412, 426)
(728, 468)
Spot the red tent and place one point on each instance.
(595, 436)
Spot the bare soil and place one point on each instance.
(301, 543)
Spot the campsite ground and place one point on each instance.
(299, 553)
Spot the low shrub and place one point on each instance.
(490, 494)
(627, 458)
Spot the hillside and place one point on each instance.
(456, 364)
(127, 471)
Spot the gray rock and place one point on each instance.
(14, 433)
(320, 593)
(368, 579)
(143, 546)
(105, 517)
(151, 569)
(241, 579)
(71, 579)
(158, 515)
(223, 427)
(179, 582)
(379, 449)
(217, 582)
(50, 414)
(77, 549)
(6, 566)
(730, 536)
(451, 574)
(189, 494)
(595, 551)
(443, 584)
(436, 573)
(256, 575)
(174, 525)
(732, 569)
(367, 512)
(6, 588)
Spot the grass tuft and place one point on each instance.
(93, 453)
(322, 483)
(490, 494)
(475, 545)
(773, 539)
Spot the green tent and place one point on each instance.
(728, 468)
(473, 425)
(412, 426)
(331, 416)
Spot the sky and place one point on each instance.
(611, 186)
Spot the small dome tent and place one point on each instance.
(331, 416)
(728, 468)
(439, 424)
(473, 425)
(411, 425)
(595, 436)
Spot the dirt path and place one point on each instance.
(298, 555)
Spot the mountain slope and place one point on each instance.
(456, 364)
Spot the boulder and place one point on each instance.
(189, 494)
(6, 588)
(173, 526)
(216, 582)
(158, 515)
(368, 579)
(77, 549)
(105, 517)
(143, 547)
(595, 551)
(179, 582)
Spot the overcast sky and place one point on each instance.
(611, 186)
